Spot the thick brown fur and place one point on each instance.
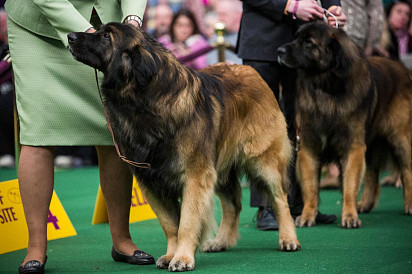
(351, 110)
(197, 130)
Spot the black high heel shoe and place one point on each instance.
(33, 266)
(138, 257)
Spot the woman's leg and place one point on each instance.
(36, 180)
(116, 182)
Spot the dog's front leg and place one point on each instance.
(353, 172)
(195, 220)
(307, 167)
(167, 213)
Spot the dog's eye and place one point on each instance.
(309, 44)
(106, 35)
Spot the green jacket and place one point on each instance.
(57, 18)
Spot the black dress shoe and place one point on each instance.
(33, 266)
(266, 219)
(325, 218)
(138, 257)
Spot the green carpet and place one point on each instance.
(382, 245)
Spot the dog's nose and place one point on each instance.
(72, 37)
(281, 51)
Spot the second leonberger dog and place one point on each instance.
(197, 130)
(352, 110)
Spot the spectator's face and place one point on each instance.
(399, 16)
(230, 15)
(183, 28)
(163, 18)
(210, 22)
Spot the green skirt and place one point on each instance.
(57, 97)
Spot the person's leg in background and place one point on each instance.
(288, 83)
(36, 180)
(116, 181)
(265, 217)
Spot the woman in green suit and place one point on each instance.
(58, 104)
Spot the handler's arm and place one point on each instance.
(63, 17)
(305, 10)
(376, 16)
(272, 8)
(133, 7)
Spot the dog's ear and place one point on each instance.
(131, 66)
(342, 61)
(141, 65)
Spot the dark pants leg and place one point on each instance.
(276, 75)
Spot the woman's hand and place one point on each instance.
(340, 16)
(305, 10)
(90, 30)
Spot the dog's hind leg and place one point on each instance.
(371, 190)
(229, 193)
(406, 177)
(168, 215)
(197, 215)
(270, 171)
(393, 179)
(403, 154)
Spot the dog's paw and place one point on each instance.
(364, 207)
(306, 220)
(289, 245)
(214, 246)
(408, 208)
(351, 221)
(163, 262)
(179, 264)
(391, 180)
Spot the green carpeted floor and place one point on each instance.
(382, 245)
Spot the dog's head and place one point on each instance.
(318, 48)
(119, 48)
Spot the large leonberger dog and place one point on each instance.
(352, 110)
(197, 130)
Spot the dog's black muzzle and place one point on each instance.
(281, 55)
(72, 37)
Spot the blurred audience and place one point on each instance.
(228, 12)
(185, 38)
(197, 7)
(210, 20)
(75, 156)
(398, 22)
(163, 16)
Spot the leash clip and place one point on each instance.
(334, 17)
(297, 143)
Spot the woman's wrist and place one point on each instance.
(292, 7)
(134, 20)
(295, 9)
